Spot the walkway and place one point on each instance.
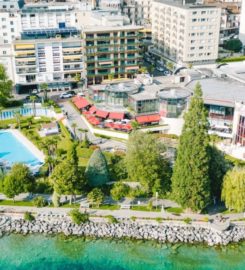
(75, 117)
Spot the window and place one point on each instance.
(194, 13)
(11, 23)
(12, 30)
(203, 12)
(201, 48)
(4, 34)
(194, 20)
(5, 41)
(4, 52)
(3, 19)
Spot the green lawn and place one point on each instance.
(16, 203)
(174, 210)
(144, 208)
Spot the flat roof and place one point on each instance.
(220, 91)
(189, 4)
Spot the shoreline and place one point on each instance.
(98, 228)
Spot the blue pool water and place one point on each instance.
(13, 151)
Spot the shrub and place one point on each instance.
(150, 205)
(187, 220)
(77, 217)
(133, 218)
(159, 219)
(111, 219)
(28, 216)
(95, 197)
(39, 201)
(93, 147)
(206, 219)
(119, 191)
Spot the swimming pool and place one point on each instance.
(13, 149)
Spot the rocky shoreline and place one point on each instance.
(126, 229)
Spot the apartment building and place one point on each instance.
(242, 24)
(9, 30)
(185, 33)
(111, 47)
(46, 16)
(139, 11)
(55, 61)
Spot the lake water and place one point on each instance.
(41, 252)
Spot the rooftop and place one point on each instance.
(174, 93)
(220, 91)
(189, 4)
(125, 87)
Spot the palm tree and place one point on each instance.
(44, 88)
(17, 116)
(74, 126)
(33, 100)
(170, 66)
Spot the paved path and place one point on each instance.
(75, 117)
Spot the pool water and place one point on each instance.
(12, 150)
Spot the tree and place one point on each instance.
(151, 69)
(44, 88)
(6, 86)
(218, 166)
(95, 197)
(33, 100)
(17, 116)
(170, 66)
(234, 45)
(233, 191)
(97, 169)
(119, 191)
(111, 76)
(135, 125)
(146, 163)
(190, 180)
(143, 70)
(74, 126)
(18, 180)
(67, 177)
(78, 217)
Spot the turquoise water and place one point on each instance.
(12, 150)
(40, 252)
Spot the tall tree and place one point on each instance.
(67, 177)
(233, 191)
(6, 86)
(146, 162)
(97, 169)
(18, 180)
(190, 180)
(33, 99)
(44, 88)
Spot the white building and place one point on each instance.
(139, 11)
(185, 33)
(242, 24)
(9, 30)
(46, 16)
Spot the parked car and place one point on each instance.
(68, 94)
(81, 94)
(160, 68)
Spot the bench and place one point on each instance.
(125, 206)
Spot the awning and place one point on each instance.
(81, 103)
(116, 115)
(101, 114)
(93, 120)
(148, 118)
(92, 110)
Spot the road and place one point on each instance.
(75, 117)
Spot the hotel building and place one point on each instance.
(185, 33)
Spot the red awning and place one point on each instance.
(116, 115)
(92, 110)
(109, 125)
(148, 118)
(81, 103)
(127, 127)
(93, 120)
(101, 114)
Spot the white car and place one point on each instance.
(68, 94)
(160, 69)
(81, 94)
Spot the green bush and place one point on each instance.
(119, 191)
(39, 201)
(28, 216)
(187, 220)
(77, 217)
(133, 218)
(231, 59)
(111, 219)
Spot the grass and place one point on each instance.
(231, 59)
(174, 210)
(16, 203)
(144, 208)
